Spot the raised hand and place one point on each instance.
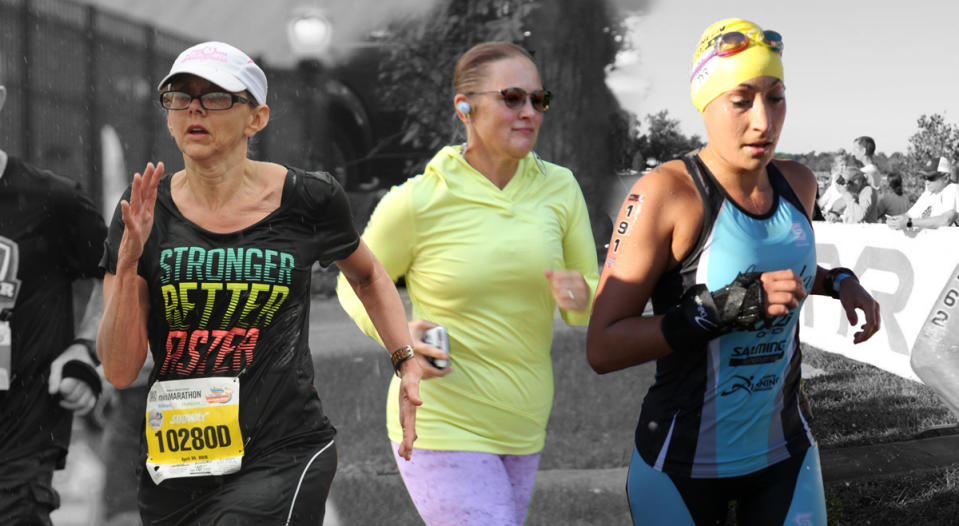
(137, 214)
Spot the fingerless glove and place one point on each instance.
(701, 315)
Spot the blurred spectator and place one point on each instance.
(860, 197)
(939, 203)
(892, 202)
(832, 202)
(864, 150)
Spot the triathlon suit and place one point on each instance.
(229, 314)
(723, 422)
(51, 234)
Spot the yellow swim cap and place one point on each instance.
(716, 70)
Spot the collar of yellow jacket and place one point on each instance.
(449, 165)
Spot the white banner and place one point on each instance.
(905, 272)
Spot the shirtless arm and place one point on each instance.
(649, 236)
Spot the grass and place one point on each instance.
(852, 404)
(857, 404)
(928, 498)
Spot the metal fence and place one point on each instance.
(72, 70)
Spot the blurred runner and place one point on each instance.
(51, 236)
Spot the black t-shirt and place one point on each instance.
(238, 304)
(57, 234)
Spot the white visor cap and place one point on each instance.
(223, 65)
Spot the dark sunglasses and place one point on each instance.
(516, 97)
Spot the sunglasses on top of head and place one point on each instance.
(516, 97)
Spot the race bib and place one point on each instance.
(6, 341)
(193, 428)
(9, 287)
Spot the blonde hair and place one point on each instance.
(470, 68)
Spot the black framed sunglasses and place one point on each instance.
(516, 97)
(213, 100)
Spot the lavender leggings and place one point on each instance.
(466, 488)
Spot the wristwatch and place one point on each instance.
(399, 356)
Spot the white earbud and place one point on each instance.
(463, 107)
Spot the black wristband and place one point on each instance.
(909, 223)
(399, 356)
(85, 373)
(693, 321)
(833, 278)
(91, 348)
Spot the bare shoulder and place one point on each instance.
(795, 173)
(669, 199)
(669, 179)
(801, 179)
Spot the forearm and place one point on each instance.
(353, 307)
(122, 337)
(625, 343)
(817, 284)
(940, 220)
(385, 309)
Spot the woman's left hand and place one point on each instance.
(410, 374)
(569, 289)
(852, 296)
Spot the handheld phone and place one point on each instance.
(438, 338)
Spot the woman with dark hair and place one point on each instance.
(892, 202)
(491, 239)
(209, 269)
(722, 243)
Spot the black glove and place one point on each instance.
(701, 315)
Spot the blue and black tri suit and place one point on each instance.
(724, 422)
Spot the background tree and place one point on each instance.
(935, 138)
(818, 162)
(664, 140)
(572, 42)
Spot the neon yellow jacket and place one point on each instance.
(473, 256)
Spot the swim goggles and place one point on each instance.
(733, 42)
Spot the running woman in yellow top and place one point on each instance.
(491, 239)
(722, 243)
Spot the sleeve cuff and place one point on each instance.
(84, 372)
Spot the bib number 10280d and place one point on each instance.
(193, 439)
